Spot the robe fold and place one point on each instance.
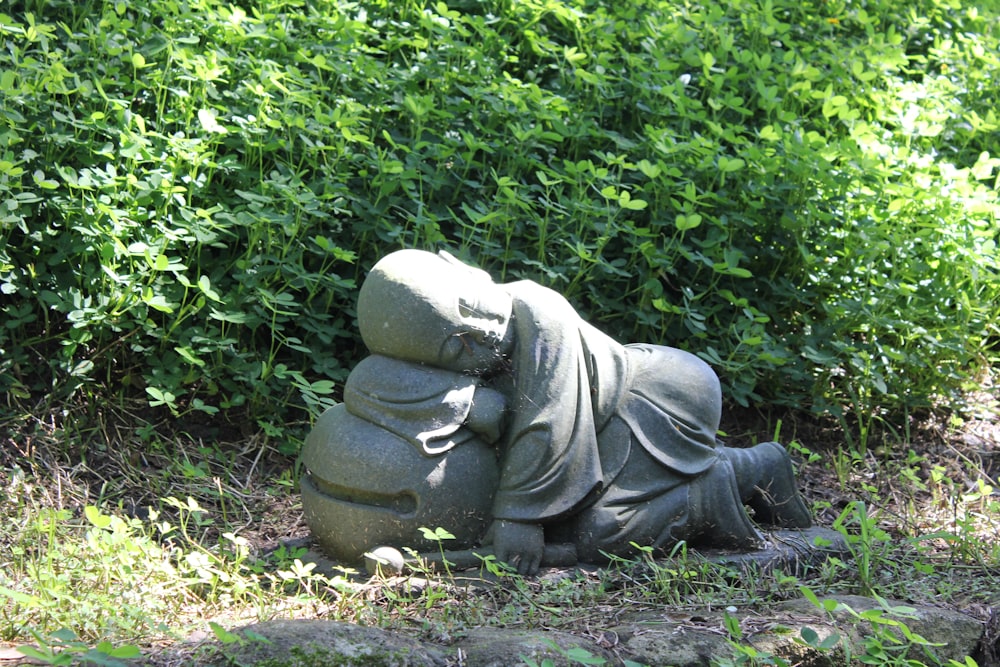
(423, 405)
(582, 401)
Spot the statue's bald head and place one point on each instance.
(414, 302)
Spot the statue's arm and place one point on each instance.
(487, 414)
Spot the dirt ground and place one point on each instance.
(912, 475)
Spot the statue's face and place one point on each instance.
(430, 309)
(481, 336)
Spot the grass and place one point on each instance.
(86, 569)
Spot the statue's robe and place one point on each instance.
(424, 406)
(610, 444)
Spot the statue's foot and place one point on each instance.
(776, 500)
(748, 540)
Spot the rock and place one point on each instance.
(792, 551)
(316, 643)
(956, 634)
(384, 559)
(497, 647)
(651, 636)
(665, 637)
(676, 644)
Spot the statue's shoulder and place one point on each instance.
(539, 296)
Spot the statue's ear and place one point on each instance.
(476, 272)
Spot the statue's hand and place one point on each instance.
(487, 414)
(520, 545)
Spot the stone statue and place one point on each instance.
(404, 450)
(574, 437)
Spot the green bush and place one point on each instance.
(802, 192)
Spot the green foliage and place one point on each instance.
(64, 580)
(63, 647)
(888, 640)
(803, 193)
(84, 589)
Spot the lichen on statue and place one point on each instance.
(603, 445)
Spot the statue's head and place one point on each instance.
(433, 309)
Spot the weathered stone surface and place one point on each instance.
(497, 647)
(792, 551)
(365, 487)
(676, 643)
(311, 643)
(954, 633)
(691, 639)
(459, 359)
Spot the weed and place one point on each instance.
(63, 647)
(744, 653)
(75, 586)
(888, 640)
(869, 544)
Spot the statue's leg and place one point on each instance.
(716, 512)
(662, 509)
(613, 526)
(707, 510)
(766, 484)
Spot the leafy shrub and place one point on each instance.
(803, 193)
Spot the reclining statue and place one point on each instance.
(609, 447)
